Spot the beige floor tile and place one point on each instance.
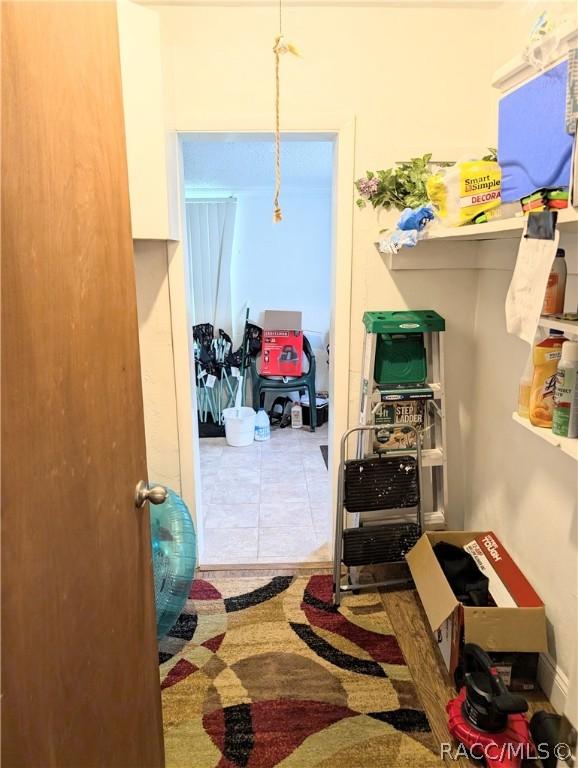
(275, 513)
(210, 447)
(319, 491)
(313, 464)
(233, 460)
(285, 491)
(320, 435)
(290, 542)
(232, 490)
(226, 545)
(312, 442)
(231, 515)
(285, 444)
(320, 515)
(277, 464)
(268, 500)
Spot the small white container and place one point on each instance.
(565, 419)
(296, 416)
(239, 426)
(262, 426)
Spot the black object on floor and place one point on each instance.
(209, 429)
(545, 729)
(325, 453)
(322, 415)
(468, 583)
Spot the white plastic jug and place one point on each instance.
(262, 426)
(239, 426)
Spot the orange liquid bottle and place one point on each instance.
(547, 355)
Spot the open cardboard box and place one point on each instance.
(520, 629)
(282, 344)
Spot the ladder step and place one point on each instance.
(378, 544)
(388, 482)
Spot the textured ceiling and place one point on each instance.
(233, 165)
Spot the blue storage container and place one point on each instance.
(534, 150)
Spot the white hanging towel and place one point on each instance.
(528, 287)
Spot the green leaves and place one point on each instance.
(402, 186)
(492, 155)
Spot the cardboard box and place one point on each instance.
(520, 628)
(401, 407)
(282, 344)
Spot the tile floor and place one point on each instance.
(251, 515)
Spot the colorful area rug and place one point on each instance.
(266, 672)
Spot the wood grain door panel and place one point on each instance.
(79, 678)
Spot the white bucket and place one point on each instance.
(239, 426)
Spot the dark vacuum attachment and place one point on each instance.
(488, 702)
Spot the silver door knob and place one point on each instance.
(154, 494)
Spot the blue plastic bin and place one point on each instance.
(534, 150)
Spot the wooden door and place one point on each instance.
(80, 684)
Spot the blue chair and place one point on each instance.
(302, 384)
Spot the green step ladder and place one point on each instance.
(403, 352)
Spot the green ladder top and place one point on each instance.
(404, 321)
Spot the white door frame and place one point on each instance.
(341, 129)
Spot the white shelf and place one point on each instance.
(441, 248)
(569, 327)
(518, 70)
(566, 445)
(498, 229)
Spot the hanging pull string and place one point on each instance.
(280, 47)
(277, 214)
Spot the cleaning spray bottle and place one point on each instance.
(527, 377)
(546, 357)
(565, 419)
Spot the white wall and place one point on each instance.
(148, 145)
(157, 362)
(286, 265)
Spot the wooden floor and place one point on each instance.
(416, 640)
(426, 666)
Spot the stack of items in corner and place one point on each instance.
(545, 200)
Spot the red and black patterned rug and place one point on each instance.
(262, 672)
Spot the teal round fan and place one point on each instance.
(174, 553)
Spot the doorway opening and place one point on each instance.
(269, 501)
